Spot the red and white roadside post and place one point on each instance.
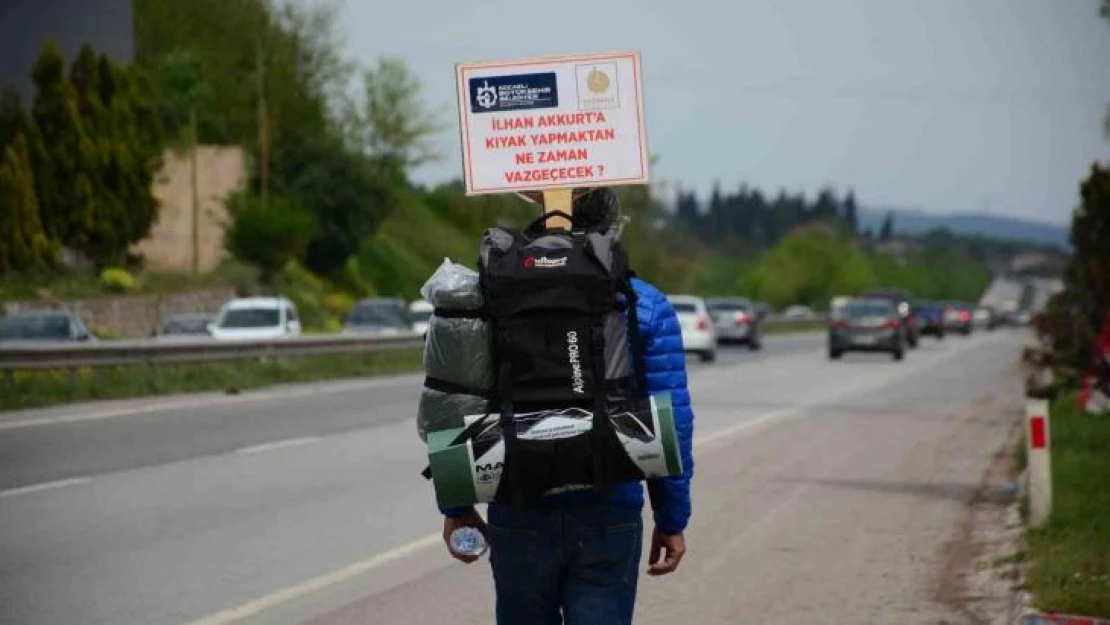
(1038, 451)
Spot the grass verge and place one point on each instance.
(45, 388)
(1070, 555)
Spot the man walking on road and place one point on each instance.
(559, 560)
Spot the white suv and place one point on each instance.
(698, 334)
(257, 318)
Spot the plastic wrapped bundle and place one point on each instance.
(445, 411)
(456, 353)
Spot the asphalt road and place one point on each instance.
(824, 492)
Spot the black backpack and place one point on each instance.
(563, 321)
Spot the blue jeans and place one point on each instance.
(569, 562)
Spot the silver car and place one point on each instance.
(736, 321)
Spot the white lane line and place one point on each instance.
(290, 593)
(211, 402)
(317, 583)
(289, 442)
(34, 488)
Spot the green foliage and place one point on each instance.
(306, 291)
(810, 267)
(338, 304)
(28, 389)
(394, 123)
(349, 195)
(1090, 236)
(62, 155)
(117, 280)
(24, 245)
(94, 143)
(229, 61)
(12, 119)
(886, 233)
(268, 235)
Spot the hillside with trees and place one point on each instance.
(330, 214)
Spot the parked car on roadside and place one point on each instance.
(735, 320)
(184, 326)
(699, 336)
(420, 314)
(378, 315)
(45, 325)
(930, 318)
(902, 304)
(870, 325)
(257, 318)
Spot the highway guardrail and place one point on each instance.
(40, 356)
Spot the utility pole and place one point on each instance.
(196, 187)
(263, 130)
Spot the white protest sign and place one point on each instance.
(552, 123)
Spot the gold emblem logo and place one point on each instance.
(597, 81)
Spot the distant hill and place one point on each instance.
(994, 226)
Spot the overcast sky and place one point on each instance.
(943, 105)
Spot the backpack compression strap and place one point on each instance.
(634, 334)
(508, 427)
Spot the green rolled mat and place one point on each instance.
(469, 472)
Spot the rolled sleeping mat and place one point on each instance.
(466, 463)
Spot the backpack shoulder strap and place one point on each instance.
(639, 349)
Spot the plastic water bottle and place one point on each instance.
(467, 541)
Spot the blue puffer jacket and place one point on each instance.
(665, 364)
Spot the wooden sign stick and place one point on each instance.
(558, 200)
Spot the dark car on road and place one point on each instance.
(44, 325)
(867, 325)
(906, 314)
(930, 318)
(379, 315)
(736, 321)
(185, 326)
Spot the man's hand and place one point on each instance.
(470, 520)
(673, 546)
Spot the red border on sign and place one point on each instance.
(464, 104)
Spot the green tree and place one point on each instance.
(394, 123)
(851, 212)
(24, 245)
(810, 267)
(12, 119)
(62, 155)
(269, 235)
(1090, 236)
(887, 230)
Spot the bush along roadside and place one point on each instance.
(1069, 569)
(30, 389)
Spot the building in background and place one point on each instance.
(25, 25)
(221, 171)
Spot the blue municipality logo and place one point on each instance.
(499, 94)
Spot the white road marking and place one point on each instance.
(34, 488)
(289, 442)
(194, 403)
(318, 583)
